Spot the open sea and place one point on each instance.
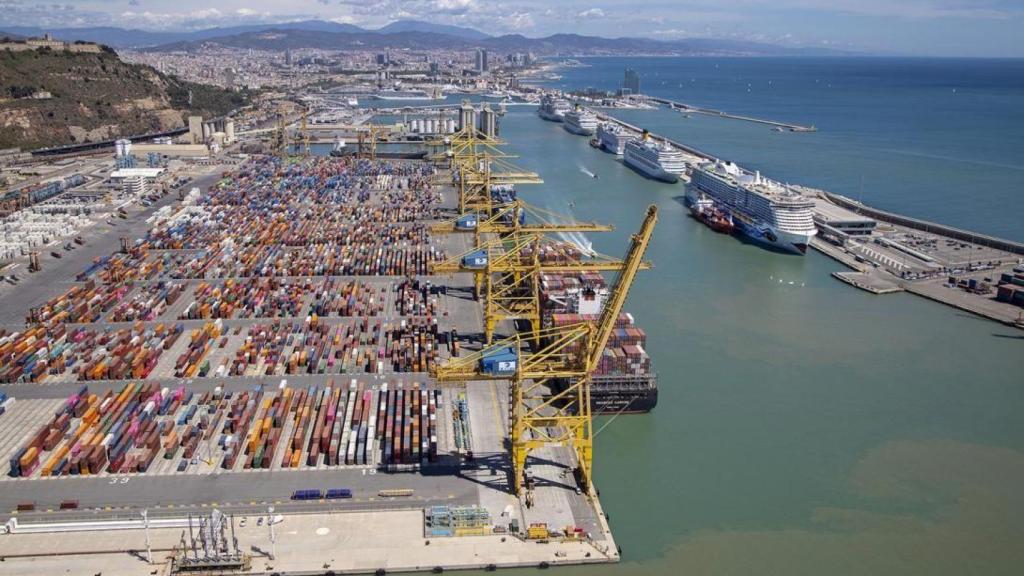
(806, 427)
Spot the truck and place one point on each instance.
(310, 494)
(338, 493)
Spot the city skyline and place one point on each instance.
(911, 27)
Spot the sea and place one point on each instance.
(804, 426)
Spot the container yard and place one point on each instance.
(142, 429)
(267, 343)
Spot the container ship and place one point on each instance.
(624, 381)
(580, 121)
(654, 160)
(611, 138)
(553, 109)
(763, 210)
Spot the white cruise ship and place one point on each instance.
(654, 160)
(580, 121)
(611, 138)
(414, 94)
(552, 109)
(763, 210)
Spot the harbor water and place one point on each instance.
(803, 426)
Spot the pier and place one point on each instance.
(712, 112)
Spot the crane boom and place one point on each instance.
(612, 308)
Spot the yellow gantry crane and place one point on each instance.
(545, 414)
(478, 167)
(279, 140)
(480, 177)
(514, 254)
(305, 134)
(371, 133)
(507, 274)
(516, 217)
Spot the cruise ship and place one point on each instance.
(761, 209)
(580, 121)
(552, 109)
(414, 94)
(611, 138)
(654, 160)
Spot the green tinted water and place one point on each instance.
(804, 427)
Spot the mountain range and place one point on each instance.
(411, 34)
(133, 38)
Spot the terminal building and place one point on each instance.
(839, 224)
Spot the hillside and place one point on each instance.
(94, 97)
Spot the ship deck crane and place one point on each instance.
(541, 416)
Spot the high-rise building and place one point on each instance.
(288, 57)
(481, 60)
(434, 69)
(631, 82)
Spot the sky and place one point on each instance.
(911, 27)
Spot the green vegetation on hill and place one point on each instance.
(94, 97)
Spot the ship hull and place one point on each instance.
(610, 394)
(611, 147)
(653, 174)
(773, 239)
(578, 130)
(550, 116)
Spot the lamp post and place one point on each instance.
(273, 540)
(145, 524)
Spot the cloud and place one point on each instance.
(591, 13)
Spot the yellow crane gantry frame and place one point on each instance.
(512, 219)
(507, 274)
(477, 164)
(514, 254)
(542, 417)
(372, 132)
